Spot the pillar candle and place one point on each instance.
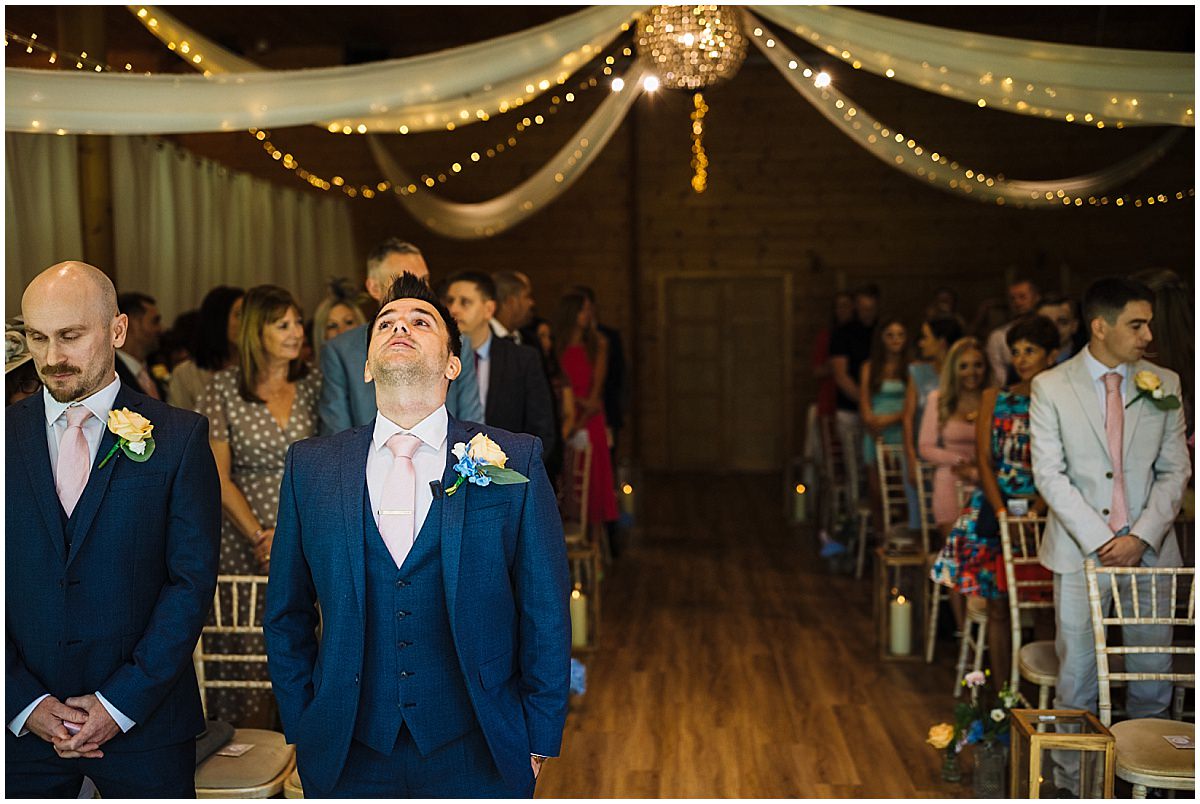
(799, 503)
(579, 619)
(626, 499)
(901, 626)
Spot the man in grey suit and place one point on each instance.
(1112, 465)
(347, 399)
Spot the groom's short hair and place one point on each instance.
(409, 286)
(1107, 297)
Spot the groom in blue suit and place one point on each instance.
(443, 661)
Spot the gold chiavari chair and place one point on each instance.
(262, 771)
(1144, 758)
(1036, 662)
(583, 548)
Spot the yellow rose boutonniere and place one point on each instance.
(1149, 386)
(133, 435)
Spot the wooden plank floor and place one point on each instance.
(731, 664)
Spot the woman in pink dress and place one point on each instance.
(582, 354)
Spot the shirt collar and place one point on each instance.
(498, 328)
(431, 430)
(99, 403)
(485, 351)
(1097, 369)
(131, 362)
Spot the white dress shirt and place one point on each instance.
(134, 365)
(99, 403)
(1098, 370)
(483, 371)
(429, 461)
(502, 331)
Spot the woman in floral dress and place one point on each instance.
(973, 558)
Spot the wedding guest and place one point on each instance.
(825, 404)
(1112, 466)
(336, 313)
(564, 399)
(945, 302)
(514, 305)
(582, 353)
(175, 345)
(972, 557)
(512, 386)
(145, 328)
(1061, 310)
(849, 348)
(1174, 344)
(442, 668)
(110, 562)
(1023, 298)
(613, 384)
(947, 436)
(257, 408)
(346, 400)
(21, 379)
(882, 404)
(213, 346)
(937, 334)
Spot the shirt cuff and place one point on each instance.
(17, 724)
(125, 723)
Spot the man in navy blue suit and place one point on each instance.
(443, 661)
(110, 561)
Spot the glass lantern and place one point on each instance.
(1042, 738)
(900, 586)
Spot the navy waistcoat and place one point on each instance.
(411, 675)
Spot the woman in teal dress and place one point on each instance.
(881, 403)
(973, 560)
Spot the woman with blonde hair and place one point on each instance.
(256, 409)
(336, 313)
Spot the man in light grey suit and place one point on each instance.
(1112, 467)
(347, 399)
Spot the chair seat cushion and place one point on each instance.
(1039, 663)
(1141, 748)
(258, 766)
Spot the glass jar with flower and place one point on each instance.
(983, 722)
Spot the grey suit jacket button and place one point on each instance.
(1109, 475)
(1105, 512)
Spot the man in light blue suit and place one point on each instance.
(346, 399)
(443, 662)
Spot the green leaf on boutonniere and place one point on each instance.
(128, 449)
(503, 477)
(1166, 403)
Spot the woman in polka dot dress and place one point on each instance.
(256, 409)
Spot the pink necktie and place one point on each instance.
(398, 502)
(1114, 428)
(73, 459)
(148, 386)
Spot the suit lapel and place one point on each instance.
(453, 510)
(35, 460)
(1085, 391)
(1133, 413)
(497, 376)
(97, 486)
(353, 476)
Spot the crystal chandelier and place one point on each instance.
(693, 47)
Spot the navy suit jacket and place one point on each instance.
(518, 397)
(121, 613)
(347, 401)
(506, 583)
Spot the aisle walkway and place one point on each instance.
(732, 665)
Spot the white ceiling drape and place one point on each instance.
(1083, 85)
(50, 101)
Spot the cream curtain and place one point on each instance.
(183, 225)
(113, 103)
(931, 165)
(488, 218)
(42, 222)
(1083, 85)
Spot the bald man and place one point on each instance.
(111, 552)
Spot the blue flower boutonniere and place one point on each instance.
(482, 462)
